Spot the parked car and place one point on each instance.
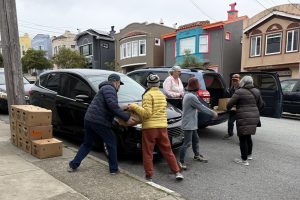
(3, 94)
(291, 95)
(68, 94)
(213, 87)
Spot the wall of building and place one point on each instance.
(25, 43)
(170, 58)
(42, 42)
(66, 40)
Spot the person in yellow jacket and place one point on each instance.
(154, 127)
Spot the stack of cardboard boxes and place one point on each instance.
(31, 131)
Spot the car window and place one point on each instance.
(129, 92)
(43, 80)
(138, 77)
(212, 81)
(263, 81)
(72, 86)
(52, 82)
(288, 85)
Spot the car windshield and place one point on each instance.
(2, 79)
(131, 91)
(287, 86)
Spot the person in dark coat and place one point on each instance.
(235, 79)
(98, 121)
(248, 102)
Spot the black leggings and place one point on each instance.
(245, 146)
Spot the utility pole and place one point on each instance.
(11, 53)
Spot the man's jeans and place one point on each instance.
(190, 137)
(91, 130)
(231, 120)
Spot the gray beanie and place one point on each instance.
(153, 80)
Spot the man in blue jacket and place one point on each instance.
(98, 121)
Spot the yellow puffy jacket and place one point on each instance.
(153, 110)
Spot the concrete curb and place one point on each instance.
(157, 186)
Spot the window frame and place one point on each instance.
(180, 44)
(207, 36)
(135, 53)
(90, 49)
(260, 48)
(292, 45)
(266, 43)
(145, 44)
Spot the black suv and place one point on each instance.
(213, 87)
(291, 95)
(68, 93)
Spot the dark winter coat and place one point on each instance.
(105, 107)
(247, 108)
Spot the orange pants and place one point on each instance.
(158, 136)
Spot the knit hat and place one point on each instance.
(153, 80)
(193, 84)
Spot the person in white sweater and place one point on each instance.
(173, 87)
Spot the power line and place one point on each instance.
(261, 4)
(293, 5)
(196, 5)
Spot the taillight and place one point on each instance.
(30, 92)
(205, 95)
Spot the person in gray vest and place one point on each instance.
(191, 107)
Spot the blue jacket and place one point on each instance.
(105, 107)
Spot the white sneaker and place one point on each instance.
(179, 176)
(70, 169)
(241, 162)
(250, 157)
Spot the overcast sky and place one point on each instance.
(54, 16)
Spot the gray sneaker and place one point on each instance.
(182, 165)
(200, 158)
(70, 169)
(241, 162)
(179, 176)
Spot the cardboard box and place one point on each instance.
(136, 118)
(14, 139)
(20, 142)
(35, 132)
(26, 146)
(223, 103)
(46, 148)
(36, 116)
(13, 127)
(13, 111)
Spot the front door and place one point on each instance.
(269, 85)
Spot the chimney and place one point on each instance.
(112, 31)
(232, 13)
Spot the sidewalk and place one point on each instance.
(23, 176)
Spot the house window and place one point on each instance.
(72, 46)
(187, 44)
(227, 36)
(157, 42)
(255, 46)
(123, 51)
(142, 47)
(135, 48)
(55, 50)
(86, 50)
(273, 43)
(128, 49)
(292, 41)
(203, 44)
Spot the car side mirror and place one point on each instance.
(82, 97)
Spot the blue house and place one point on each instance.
(42, 42)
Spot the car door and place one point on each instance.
(270, 88)
(71, 108)
(291, 95)
(45, 93)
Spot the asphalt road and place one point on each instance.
(274, 172)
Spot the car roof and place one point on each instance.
(83, 72)
(168, 68)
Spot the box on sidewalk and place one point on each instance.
(20, 142)
(46, 148)
(14, 139)
(34, 132)
(13, 127)
(36, 116)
